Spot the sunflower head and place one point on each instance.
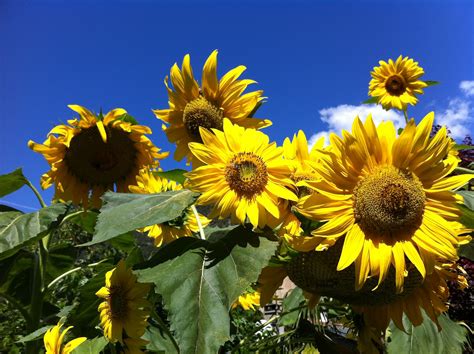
(242, 175)
(248, 301)
(192, 106)
(124, 310)
(388, 198)
(93, 154)
(54, 341)
(395, 84)
(184, 226)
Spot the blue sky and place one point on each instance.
(312, 59)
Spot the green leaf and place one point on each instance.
(371, 100)
(125, 212)
(176, 175)
(199, 286)
(26, 228)
(468, 198)
(91, 346)
(159, 341)
(128, 118)
(426, 338)
(61, 258)
(292, 301)
(431, 83)
(11, 182)
(34, 335)
(86, 220)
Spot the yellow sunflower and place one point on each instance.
(395, 84)
(54, 338)
(191, 107)
(304, 162)
(90, 155)
(248, 301)
(242, 176)
(124, 311)
(386, 198)
(183, 226)
(134, 345)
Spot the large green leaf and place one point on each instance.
(11, 182)
(431, 83)
(199, 286)
(125, 212)
(35, 334)
(91, 346)
(159, 341)
(26, 228)
(371, 100)
(426, 338)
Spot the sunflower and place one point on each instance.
(386, 197)
(248, 301)
(183, 226)
(304, 162)
(395, 84)
(134, 345)
(243, 175)
(53, 341)
(192, 107)
(91, 155)
(124, 311)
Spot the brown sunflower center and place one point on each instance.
(316, 272)
(395, 85)
(97, 163)
(246, 174)
(389, 202)
(201, 113)
(118, 302)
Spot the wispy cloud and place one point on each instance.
(467, 87)
(458, 115)
(341, 117)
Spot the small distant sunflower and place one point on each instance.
(183, 226)
(304, 162)
(243, 175)
(395, 84)
(90, 155)
(54, 338)
(124, 311)
(248, 301)
(387, 198)
(192, 107)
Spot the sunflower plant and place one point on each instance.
(350, 244)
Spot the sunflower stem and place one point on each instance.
(201, 230)
(72, 271)
(405, 113)
(37, 194)
(36, 303)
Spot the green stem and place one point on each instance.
(36, 303)
(17, 305)
(38, 195)
(405, 113)
(72, 271)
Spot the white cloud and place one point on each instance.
(342, 116)
(467, 87)
(456, 117)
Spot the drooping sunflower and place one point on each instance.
(304, 162)
(248, 301)
(125, 309)
(386, 198)
(395, 84)
(192, 107)
(241, 174)
(54, 338)
(183, 226)
(91, 155)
